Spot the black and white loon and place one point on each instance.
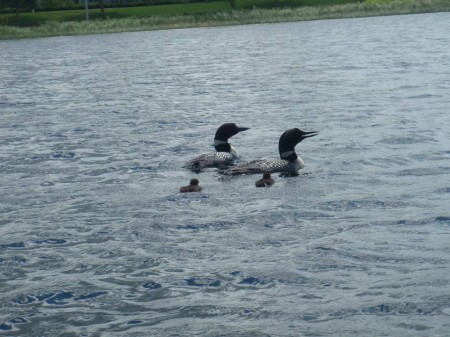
(225, 152)
(290, 162)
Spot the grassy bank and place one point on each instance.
(39, 18)
(28, 19)
(250, 4)
(226, 17)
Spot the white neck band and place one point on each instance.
(286, 154)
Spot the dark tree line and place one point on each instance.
(18, 5)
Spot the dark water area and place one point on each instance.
(95, 239)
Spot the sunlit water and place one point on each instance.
(95, 239)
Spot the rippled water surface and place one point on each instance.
(95, 239)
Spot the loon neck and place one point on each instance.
(222, 146)
(289, 155)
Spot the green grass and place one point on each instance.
(225, 17)
(178, 9)
(250, 4)
(38, 18)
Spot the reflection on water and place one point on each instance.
(96, 240)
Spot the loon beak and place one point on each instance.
(309, 134)
(242, 129)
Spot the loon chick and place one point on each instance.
(192, 187)
(289, 162)
(265, 181)
(225, 152)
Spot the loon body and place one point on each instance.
(290, 162)
(225, 152)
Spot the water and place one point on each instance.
(96, 241)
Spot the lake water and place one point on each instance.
(95, 239)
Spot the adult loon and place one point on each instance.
(225, 152)
(289, 163)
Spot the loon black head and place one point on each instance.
(223, 133)
(289, 139)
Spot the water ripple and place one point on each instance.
(96, 240)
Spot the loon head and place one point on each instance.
(223, 133)
(289, 139)
(192, 187)
(193, 182)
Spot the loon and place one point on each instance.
(265, 181)
(289, 163)
(225, 152)
(192, 187)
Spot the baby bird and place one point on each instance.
(192, 187)
(265, 181)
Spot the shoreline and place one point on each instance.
(233, 18)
